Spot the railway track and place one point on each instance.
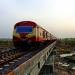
(7, 56)
(15, 59)
(11, 54)
(12, 58)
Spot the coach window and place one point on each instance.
(43, 34)
(46, 34)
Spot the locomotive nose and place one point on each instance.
(23, 36)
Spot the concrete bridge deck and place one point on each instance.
(33, 65)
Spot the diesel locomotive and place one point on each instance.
(28, 33)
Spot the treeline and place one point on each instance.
(66, 45)
(7, 43)
(3, 42)
(68, 41)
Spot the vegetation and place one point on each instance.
(6, 43)
(66, 45)
(67, 41)
(70, 41)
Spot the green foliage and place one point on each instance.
(6, 43)
(69, 41)
(3, 42)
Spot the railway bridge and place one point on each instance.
(29, 64)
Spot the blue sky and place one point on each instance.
(57, 16)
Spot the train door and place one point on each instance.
(37, 33)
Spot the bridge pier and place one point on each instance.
(48, 67)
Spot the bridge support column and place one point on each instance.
(48, 67)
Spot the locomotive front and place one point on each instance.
(22, 34)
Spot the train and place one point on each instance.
(30, 34)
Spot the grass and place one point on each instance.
(6, 43)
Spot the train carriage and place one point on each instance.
(28, 33)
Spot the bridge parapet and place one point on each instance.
(34, 64)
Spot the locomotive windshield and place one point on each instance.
(24, 29)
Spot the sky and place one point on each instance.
(56, 16)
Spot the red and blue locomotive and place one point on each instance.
(28, 33)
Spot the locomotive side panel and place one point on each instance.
(40, 34)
